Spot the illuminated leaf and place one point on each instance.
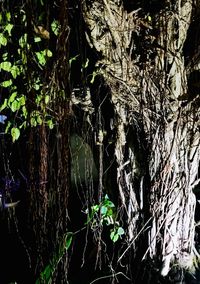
(4, 105)
(120, 231)
(47, 99)
(5, 56)
(9, 28)
(50, 123)
(46, 274)
(104, 210)
(15, 106)
(114, 237)
(15, 71)
(6, 84)
(37, 39)
(3, 40)
(68, 240)
(8, 16)
(23, 41)
(6, 66)
(15, 133)
(12, 97)
(49, 53)
(41, 57)
(55, 27)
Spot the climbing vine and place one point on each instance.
(19, 51)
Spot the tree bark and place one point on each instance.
(142, 60)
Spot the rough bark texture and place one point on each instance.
(49, 167)
(143, 62)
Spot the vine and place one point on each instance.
(14, 109)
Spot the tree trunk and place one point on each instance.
(143, 61)
(49, 168)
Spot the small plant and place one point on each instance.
(47, 274)
(106, 211)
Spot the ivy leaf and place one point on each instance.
(68, 240)
(50, 123)
(3, 40)
(15, 106)
(39, 119)
(114, 237)
(15, 132)
(12, 98)
(6, 84)
(23, 40)
(49, 53)
(55, 27)
(41, 58)
(15, 71)
(4, 105)
(8, 16)
(9, 28)
(46, 274)
(120, 231)
(104, 210)
(8, 127)
(47, 99)
(37, 39)
(33, 121)
(22, 100)
(6, 66)
(5, 56)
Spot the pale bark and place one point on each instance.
(149, 95)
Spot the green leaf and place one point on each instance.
(23, 40)
(22, 100)
(114, 237)
(50, 123)
(120, 231)
(49, 53)
(46, 274)
(3, 40)
(12, 98)
(8, 16)
(15, 132)
(41, 57)
(6, 84)
(104, 210)
(15, 71)
(8, 127)
(55, 27)
(39, 119)
(24, 111)
(39, 97)
(9, 28)
(23, 125)
(110, 212)
(6, 66)
(37, 39)
(4, 105)
(5, 56)
(109, 203)
(68, 240)
(15, 106)
(47, 99)
(33, 122)
(95, 208)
